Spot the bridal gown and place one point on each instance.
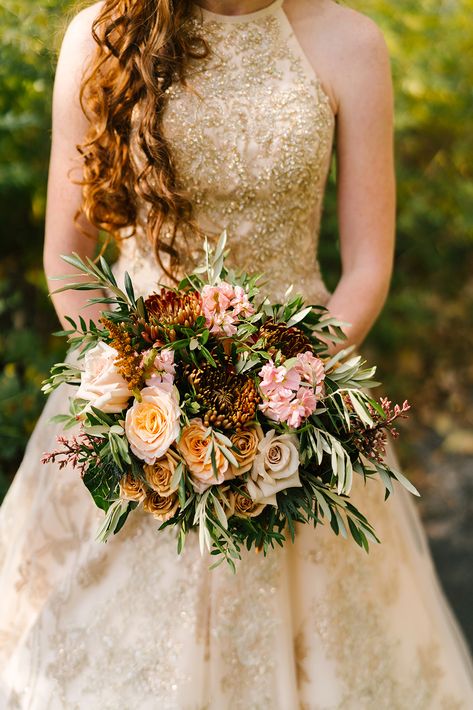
(316, 625)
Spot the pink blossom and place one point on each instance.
(276, 378)
(223, 322)
(223, 306)
(163, 369)
(216, 299)
(278, 405)
(311, 370)
(240, 303)
(289, 408)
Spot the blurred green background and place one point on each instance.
(423, 340)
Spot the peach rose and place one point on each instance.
(160, 473)
(246, 440)
(161, 507)
(276, 466)
(132, 488)
(245, 507)
(101, 383)
(152, 425)
(194, 445)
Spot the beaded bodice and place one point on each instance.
(252, 148)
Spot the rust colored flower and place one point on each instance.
(174, 308)
(228, 399)
(289, 340)
(128, 362)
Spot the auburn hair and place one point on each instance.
(142, 48)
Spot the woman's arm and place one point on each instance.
(63, 197)
(365, 176)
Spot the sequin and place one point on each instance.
(252, 149)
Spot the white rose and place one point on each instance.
(101, 383)
(276, 467)
(152, 425)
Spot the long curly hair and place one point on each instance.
(142, 48)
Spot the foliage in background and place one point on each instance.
(423, 339)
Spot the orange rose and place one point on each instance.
(194, 446)
(246, 440)
(245, 507)
(159, 474)
(161, 507)
(132, 488)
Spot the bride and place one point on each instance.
(192, 117)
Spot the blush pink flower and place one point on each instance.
(240, 303)
(302, 406)
(311, 370)
(163, 369)
(289, 407)
(216, 299)
(275, 378)
(223, 306)
(278, 405)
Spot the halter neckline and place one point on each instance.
(243, 17)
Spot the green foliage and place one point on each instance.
(28, 34)
(422, 341)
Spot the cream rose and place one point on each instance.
(101, 383)
(276, 467)
(159, 474)
(132, 488)
(245, 507)
(161, 507)
(193, 445)
(152, 425)
(246, 440)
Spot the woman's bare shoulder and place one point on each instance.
(79, 28)
(348, 34)
(350, 47)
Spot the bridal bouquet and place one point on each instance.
(216, 410)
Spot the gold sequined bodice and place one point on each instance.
(252, 147)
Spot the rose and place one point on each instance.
(101, 383)
(246, 440)
(131, 488)
(194, 445)
(161, 507)
(152, 425)
(160, 473)
(245, 506)
(276, 467)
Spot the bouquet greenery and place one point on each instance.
(219, 411)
